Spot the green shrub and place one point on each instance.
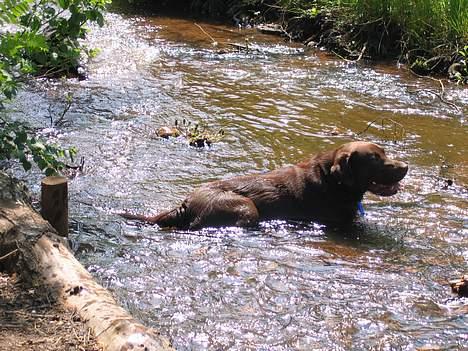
(39, 37)
(17, 142)
(47, 33)
(426, 28)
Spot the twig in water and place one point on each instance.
(61, 119)
(214, 42)
(364, 48)
(69, 101)
(439, 95)
(382, 120)
(361, 54)
(4, 257)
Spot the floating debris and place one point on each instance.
(167, 132)
(460, 286)
(197, 134)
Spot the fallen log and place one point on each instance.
(44, 258)
(270, 28)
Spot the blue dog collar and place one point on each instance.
(361, 209)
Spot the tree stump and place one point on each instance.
(54, 203)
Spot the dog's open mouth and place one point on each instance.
(384, 189)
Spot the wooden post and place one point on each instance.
(54, 203)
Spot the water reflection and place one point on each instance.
(380, 284)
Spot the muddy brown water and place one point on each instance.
(381, 285)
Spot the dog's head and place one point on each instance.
(364, 167)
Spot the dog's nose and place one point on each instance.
(403, 167)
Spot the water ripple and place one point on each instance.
(379, 285)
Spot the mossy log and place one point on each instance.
(44, 258)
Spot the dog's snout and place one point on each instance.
(402, 168)
(403, 165)
(397, 168)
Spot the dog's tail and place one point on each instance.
(176, 218)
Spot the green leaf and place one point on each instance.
(50, 172)
(12, 10)
(37, 146)
(26, 165)
(21, 137)
(64, 4)
(41, 163)
(34, 42)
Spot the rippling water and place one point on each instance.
(381, 285)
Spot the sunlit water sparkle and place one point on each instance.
(380, 285)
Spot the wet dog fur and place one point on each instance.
(325, 188)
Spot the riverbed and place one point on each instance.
(380, 285)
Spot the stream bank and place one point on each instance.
(430, 40)
(31, 320)
(31, 248)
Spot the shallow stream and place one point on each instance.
(382, 285)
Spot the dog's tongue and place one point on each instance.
(384, 190)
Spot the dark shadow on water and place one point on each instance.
(361, 234)
(367, 235)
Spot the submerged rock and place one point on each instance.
(460, 286)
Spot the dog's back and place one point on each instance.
(327, 188)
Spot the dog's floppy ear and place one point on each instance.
(341, 168)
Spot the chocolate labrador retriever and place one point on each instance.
(325, 188)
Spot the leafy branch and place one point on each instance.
(40, 37)
(17, 142)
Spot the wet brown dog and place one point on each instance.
(325, 188)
